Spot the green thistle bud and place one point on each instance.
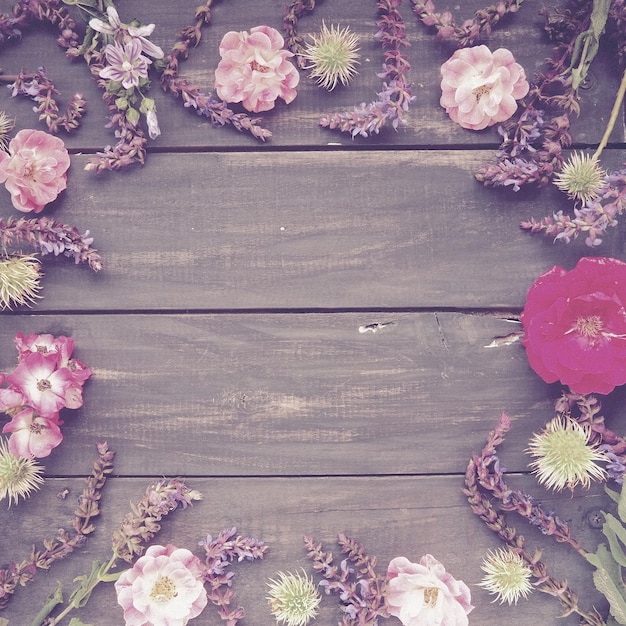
(18, 475)
(581, 177)
(506, 575)
(19, 280)
(332, 56)
(564, 456)
(293, 599)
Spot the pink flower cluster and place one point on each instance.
(480, 87)
(45, 380)
(254, 69)
(575, 325)
(424, 594)
(34, 170)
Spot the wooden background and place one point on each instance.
(224, 330)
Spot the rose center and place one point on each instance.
(164, 590)
(480, 91)
(590, 326)
(36, 429)
(259, 68)
(430, 595)
(43, 384)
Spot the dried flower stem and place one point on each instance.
(220, 552)
(208, 105)
(293, 41)
(46, 235)
(63, 543)
(361, 588)
(478, 476)
(471, 30)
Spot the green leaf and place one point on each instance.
(615, 533)
(53, 600)
(607, 586)
(588, 42)
(86, 584)
(93, 4)
(132, 115)
(76, 622)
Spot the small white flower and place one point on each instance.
(507, 576)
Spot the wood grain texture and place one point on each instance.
(295, 394)
(306, 230)
(395, 516)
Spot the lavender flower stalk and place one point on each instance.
(395, 97)
(480, 26)
(63, 544)
(219, 553)
(48, 236)
(361, 589)
(477, 475)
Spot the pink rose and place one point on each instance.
(480, 88)
(33, 435)
(575, 325)
(254, 69)
(424, 594)
(34, 171)
(165, 586)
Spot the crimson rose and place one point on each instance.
(575, 325)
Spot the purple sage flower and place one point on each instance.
(126, 64)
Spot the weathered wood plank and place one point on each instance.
(305, 230)
(293, 394)
(297, 124)
(390, 516)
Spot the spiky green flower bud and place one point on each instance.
(293, 599)
(506, 575)
(581, 177)
(332, 56)
(18, 475)
(19, 280)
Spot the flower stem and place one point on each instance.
(619, 98)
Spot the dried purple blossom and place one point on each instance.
(41, 90)
(63, 544)
(48, 236)
(219, 554)
(360, 588)
(142, 523)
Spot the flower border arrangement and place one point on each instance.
(573, 322)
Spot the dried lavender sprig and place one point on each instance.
(361, 590)
(478, 27)
(293, 41)
(482, 506)
(491, 478)
(219, 553)
(142, 523)
(48, 236)
(395, 97)
(193, 97)
(591, 219)
(63, 544)
(41, 90)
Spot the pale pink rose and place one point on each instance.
(33, 435)
(480, 88)
(254, 69)
(34, 170)
(164, 587)
(424, 594)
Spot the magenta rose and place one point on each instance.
(254, 69)
(424, 594)
(34, 170)
(165, 586)
(479, 88)
(575, 325)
